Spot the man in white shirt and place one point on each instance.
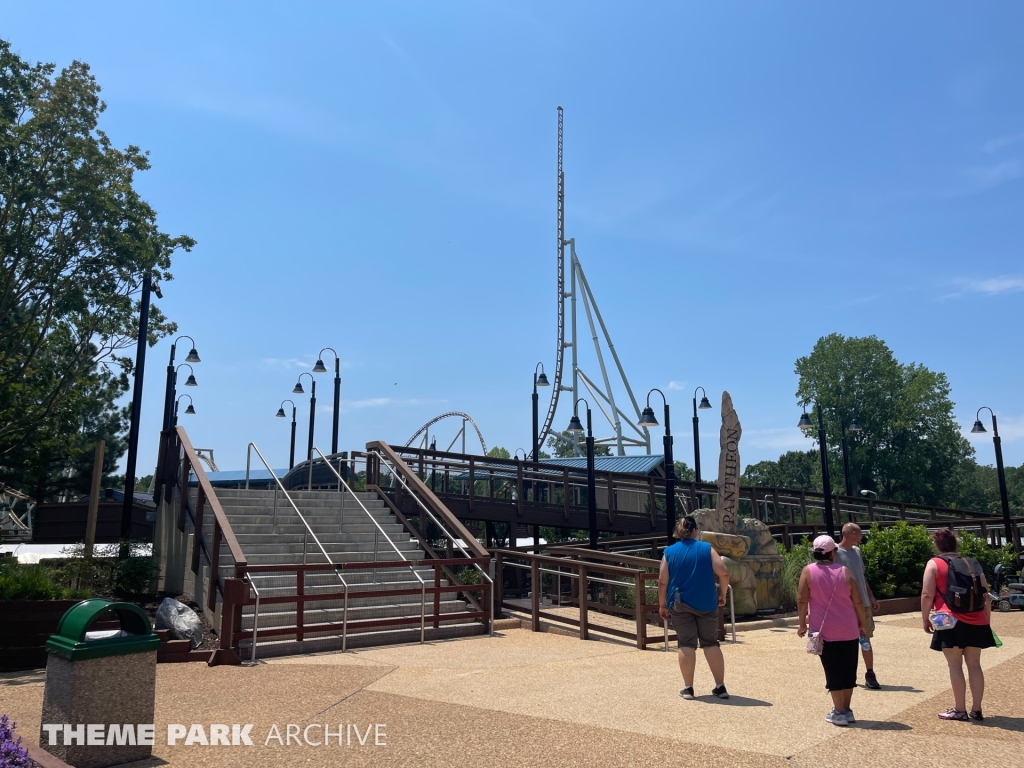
(849, 555)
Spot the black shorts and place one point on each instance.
(693, 627)
(839, 658)
(964, 636)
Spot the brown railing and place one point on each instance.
(197, 510)
(584, 578)
(550, 494)
(430, 600)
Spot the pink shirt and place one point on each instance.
(828, 582)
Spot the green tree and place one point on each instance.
(497, 452)
(564, 445)
(910, 447)
(794, 469)
(683, 472)
(76, 240)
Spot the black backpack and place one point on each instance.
(965, 592)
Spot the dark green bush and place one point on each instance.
(796, 559)
(976, 547)
(894, 559)
(23, 581)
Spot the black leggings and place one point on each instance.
(839, 658)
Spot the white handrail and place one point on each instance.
(373, 520)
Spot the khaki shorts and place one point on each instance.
(869, 623)
(694, 627)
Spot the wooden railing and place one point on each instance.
(198, 511)
(430, 613)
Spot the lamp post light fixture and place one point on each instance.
(190, 411)
(281, 415)
(977, 429)
(826, 484)
(312, 409)
(648, 419)
(172, 378)
(320, 368)
(539, 380)
(704, 405)
(577, 428)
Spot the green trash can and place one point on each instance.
(100, 694)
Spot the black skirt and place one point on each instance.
(839, 658)
(964, 635)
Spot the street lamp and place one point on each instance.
(190, 411)
(281, 415)
(172, 378)
(540, 380)
(648, 419)
(979, 428)
(312, 409)
(577, 428)
(704, 405)
(319, 368)
(806, 425)
(136, 414)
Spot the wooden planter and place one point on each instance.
(24, 630)
(899, 605)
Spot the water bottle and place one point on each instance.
(865, 644)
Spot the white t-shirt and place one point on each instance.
(852, 559)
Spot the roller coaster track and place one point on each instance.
(560, 347)
(449, 414)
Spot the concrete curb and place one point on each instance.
(746, 626)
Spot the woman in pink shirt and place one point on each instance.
(831, 593)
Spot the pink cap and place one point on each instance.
(824, 543)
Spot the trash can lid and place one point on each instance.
(72, 642)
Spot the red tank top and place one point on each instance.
(979, 618)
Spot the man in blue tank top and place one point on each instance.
(688, 596)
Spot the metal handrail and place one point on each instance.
(341, 481)
(433, 517)
(255, 617)
(344, 616)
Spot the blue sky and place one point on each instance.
(741, 178)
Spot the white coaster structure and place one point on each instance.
(602, 395)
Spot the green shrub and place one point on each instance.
(894, 559)
(978, 548)
(24, 581)
(796, 559)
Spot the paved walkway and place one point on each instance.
(544, 699)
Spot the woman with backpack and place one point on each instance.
(956, 611)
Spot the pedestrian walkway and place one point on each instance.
(544, 699)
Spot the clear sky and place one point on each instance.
(742, 178)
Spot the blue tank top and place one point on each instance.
(691, 579)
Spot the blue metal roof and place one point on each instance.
(634, 465)
(234, 476)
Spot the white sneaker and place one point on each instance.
(837, 718)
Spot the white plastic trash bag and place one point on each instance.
(181, 620)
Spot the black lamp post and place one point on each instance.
(979, 428)
(312, 409)
(190, 411)
(319, 368)
(576, 427)
(805, 424)
(704, 405)
(136, 414)
(172, 378)
(281, 415)
(540, 380)
(648, 419)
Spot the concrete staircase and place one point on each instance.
(347, 534)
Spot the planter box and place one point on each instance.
(899, 605)
(26, 626)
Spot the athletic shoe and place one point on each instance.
(687, 693)
(870, 681)
(953, 714)
(976, 715)
(720, 692)
(836, 718)
(849, 716)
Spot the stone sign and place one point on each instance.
(727, 508)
